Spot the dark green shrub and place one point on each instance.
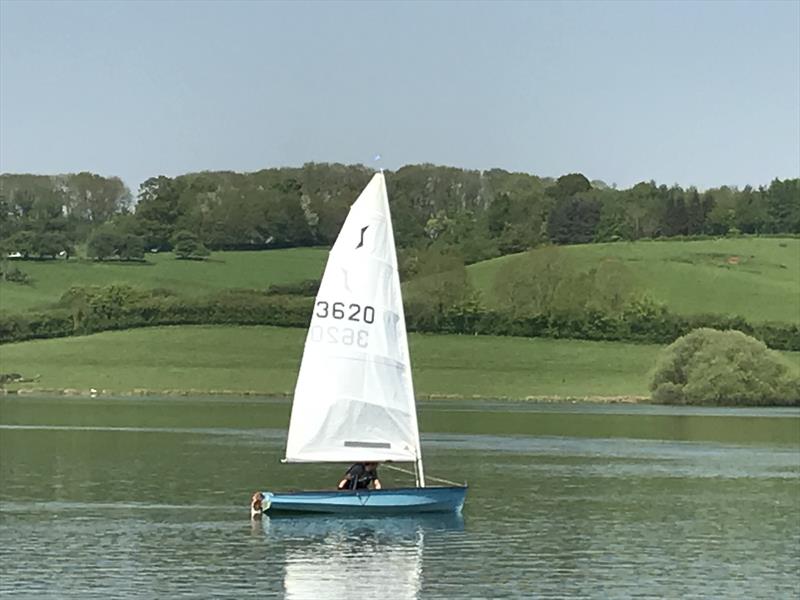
(14, 275)
(187, 245)
(307, 287)
(54, 323)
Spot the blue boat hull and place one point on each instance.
(386, 501)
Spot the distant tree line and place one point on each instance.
(44, 216)
(479, 214)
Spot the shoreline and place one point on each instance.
(83, 393)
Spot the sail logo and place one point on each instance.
(361, 241)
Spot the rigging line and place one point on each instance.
(393, 468)
(407, 472)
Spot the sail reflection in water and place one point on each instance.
(339, 557)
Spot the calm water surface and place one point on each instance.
(149, 498)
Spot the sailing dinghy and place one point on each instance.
(354, 398)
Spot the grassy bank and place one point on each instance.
(265, 360)
(754, 278)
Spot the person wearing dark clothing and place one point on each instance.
(361, 476)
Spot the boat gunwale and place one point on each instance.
(377, 492)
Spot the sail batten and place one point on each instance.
(355, 383)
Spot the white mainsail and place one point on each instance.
(354, 399)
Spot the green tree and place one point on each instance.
(573, 221)
(722, 215)
(131, 247)
(676, 218)
(94, 198)
(568, 186)
(751, 211)
(187, 246)
(783, 199)
(114, 241)
(641, 207)
(50, 244)
(515, 221)
(103, 244)
(71, 205)
(287, 224)
(22, 242)
(158, 210)
(708, 366)
(696, 213)
(8, 221)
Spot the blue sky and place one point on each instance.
(695, 93)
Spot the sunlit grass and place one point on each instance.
(755, 278)
(265, 360)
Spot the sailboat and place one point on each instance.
(354, 399)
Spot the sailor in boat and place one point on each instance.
(361, 476)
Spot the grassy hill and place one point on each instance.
(265, 360)
(755, 278)
(255, 270)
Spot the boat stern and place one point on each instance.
(259, 502)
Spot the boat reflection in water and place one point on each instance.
(341, 557)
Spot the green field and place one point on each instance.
(253, 270)
(755, 278)
(265, 360)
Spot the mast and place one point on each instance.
(420, 473)
(418, 468)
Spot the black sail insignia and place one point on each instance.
(361, 241)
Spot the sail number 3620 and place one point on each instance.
(337, 334)
(342, 311)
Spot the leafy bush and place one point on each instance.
(708, 366)
(54, 323)
(110, 242)
(186, 245)
(14, 275)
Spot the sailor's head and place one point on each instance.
(371, 466)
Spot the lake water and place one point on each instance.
(149, 498)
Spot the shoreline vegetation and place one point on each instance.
(285, 397)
